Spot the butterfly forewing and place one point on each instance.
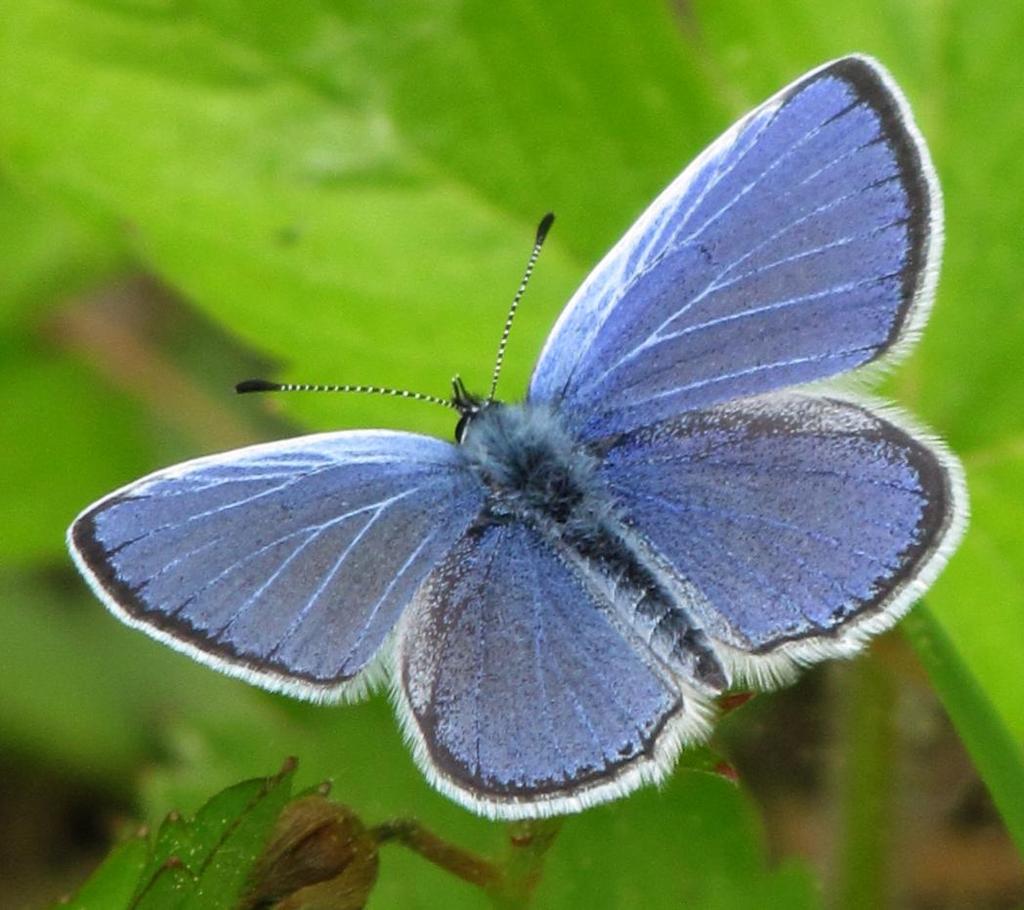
(800, 245)
(287, 563)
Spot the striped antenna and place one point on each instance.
(263, 385)
(542, 233)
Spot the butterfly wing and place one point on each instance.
(521, 695)
(806, 523)
(803, 243)
(286, 564)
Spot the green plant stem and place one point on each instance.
(510, 884)
(528, 843)
(865, 782)
(462, 863)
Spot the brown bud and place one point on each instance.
(319, 855)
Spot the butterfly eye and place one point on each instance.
(462, 426)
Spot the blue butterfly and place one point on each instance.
(558, 598)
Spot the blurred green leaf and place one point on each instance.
(694, 843)
(316, 184)
(65, 439)
(999, 757)
(47, 254)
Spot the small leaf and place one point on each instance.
(229, 834)
(167, 887)
(113, 883)
(165, 872)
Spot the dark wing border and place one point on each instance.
(921, 273)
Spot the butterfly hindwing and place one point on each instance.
(520, 693)
(802, 244)
(806, 523)
(287, 564)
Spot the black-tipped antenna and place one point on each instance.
(542, 233)
(263, 385)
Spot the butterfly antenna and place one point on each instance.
(264, 385)
(542, 233)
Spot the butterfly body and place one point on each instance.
(558, 596)
(538, 473)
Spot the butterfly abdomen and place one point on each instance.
(614, 570)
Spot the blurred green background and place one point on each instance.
(194, 191)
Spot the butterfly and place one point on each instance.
(678, 506)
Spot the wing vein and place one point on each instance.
(749, 371)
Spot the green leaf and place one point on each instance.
(166, 880)
(997, 754)
(352, 171)
(233, 827)
(113, 883)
